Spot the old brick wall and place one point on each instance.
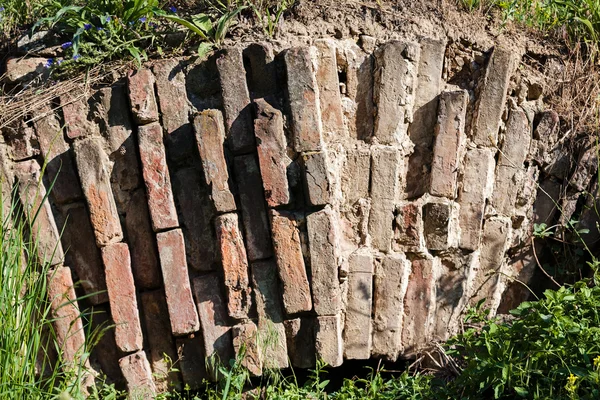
(331, 201)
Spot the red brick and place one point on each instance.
(22, 141)
(121, 295)
(236, 100)
(138, 376)
(76, 115)
(358, 326)
(246, 346)
(330, 99)
(252, 204)
(302, 93)
(262, 74)
(182, 312)
(95, 182)
(111, 108)
(192, 363)
(156, 177)
(317, 180)
(43, 226)
(235, 265)
(272, 153)
(290, 263)
(210, 137)
(160, 340)
(68, 326)
(419, 306)
(408, 226)
(141, 96)
(212, 309)
(82, 254)
(300, 334)
(328, 340)
(324, 246)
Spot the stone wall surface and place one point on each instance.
(328, 201)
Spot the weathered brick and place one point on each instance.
(290, 263)
(385, 165)
(22, 141)
(212, 308)
(394, 90)
(303, 100)
(408, 227)
(60, 169)
(138, 376)
(329, 345)
(160, 341)
(358, 328)
(247, 348)
(144, 256)
(210, 137)
(270, 315)
(121, 295)
(82, 253)
(38, 212)
(356, 174)
(492, 97)
(546, 202)
(317, 180)
(111, 107)
(478, 175)
(439, 225)
(182, 313)
(449, 144)
(236, 100)
(174, 108)
(192, 363)
(142, 97)
(419, 306)
(300, 334)
(196, 211)
(252, 204)
(105, 352)
(65, 313)
(272, 154)
(77, 117)
(328, 82)
(323, 243)
(95, 181)
(262, 74)
(543, 148)
(235, 265)
(156, 177)
(388, 306)
(510, 163)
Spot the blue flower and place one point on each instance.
(143, 19)
(87, 27)
(60, 62)
(173, 9)
(153, 25)
(76, 57)
(49, 63)
(2, 9)
(108, 18)
(99, 28)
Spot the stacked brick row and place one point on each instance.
(331, 201)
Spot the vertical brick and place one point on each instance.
(82, 254)
(356, 174)
(235, 265)
(272, 153)
(210, 137)
(76, 115)
(141, 96)
(182, 313)
(247, 348)
(323, 242)
(105, 352)
(111, 106)
(138, 375)
(22, 141)
(385, 165)
(68, 326)
(121, 295)
(290, 263)
(160, 341)
(156, 177)
(197, 212)
(270, 315)
(174, 107)
(545, 206)
(510, 163)
(395, 82)
(330, 100)
(236, 100)
(388, 306)
(419, 306)
(39, 213)
(95, 181)
(252, 204)
(303, 100)
(439, 225)
(358, 328)
(212, 308)
(317, 181)
(328, 340)
(449, 144)
(408, 227)
(192, 362)
(262, 75)
(144, 256)
(492, 97)
(300, 334)
(477, 184)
